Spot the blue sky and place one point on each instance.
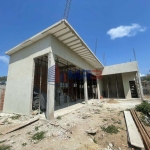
(118, 25)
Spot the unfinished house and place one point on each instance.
(55, 69)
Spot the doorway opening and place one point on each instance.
(69, 88)
(133, 89)
(113, 86)
(40, 84)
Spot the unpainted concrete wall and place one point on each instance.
(63, 51)
(100, 83)
(126, 77)
(120, 68)
(19, 88)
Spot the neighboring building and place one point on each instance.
(146, 87)
(2, 94)
(59, 65)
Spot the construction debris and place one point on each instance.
(91, 131)
(133, 134)
(112, 101)
(16, 127)
(144, 133)
(71, 131)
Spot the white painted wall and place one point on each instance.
(126, 77)
(19, 88)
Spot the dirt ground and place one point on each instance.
(147, 97)
(82, 129)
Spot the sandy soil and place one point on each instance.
(69, 132)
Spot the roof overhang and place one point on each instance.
(64, 32)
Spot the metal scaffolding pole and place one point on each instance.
(117, 87)
(108, 87)
(80, 85)
(40, 85)
(68, 85)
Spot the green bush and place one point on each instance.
(110, 129)
(143, 107)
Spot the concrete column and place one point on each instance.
(140, 85)
(98, 87)
(85, 87)
(50, 87)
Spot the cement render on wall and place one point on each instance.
(126, 77)
(19, 88)
(120, 68)
(63, 51)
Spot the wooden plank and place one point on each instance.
(133, 134)
(19, 126)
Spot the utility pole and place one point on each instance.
(104, 59)
(67, 9)
(95, 46)
(134, 54)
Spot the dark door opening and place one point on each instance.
(133, 89)
(40, 84)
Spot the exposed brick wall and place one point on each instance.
(2, 94)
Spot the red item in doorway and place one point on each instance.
(65, 77)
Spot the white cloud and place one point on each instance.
(142, 75)
(4, 59)
(123, 31)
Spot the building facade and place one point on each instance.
(56, 69)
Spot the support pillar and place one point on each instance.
(50, 87)
(85, 87)
(140, 85)
(98, 88)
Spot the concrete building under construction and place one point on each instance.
(55, 69)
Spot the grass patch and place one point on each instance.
(96, 112)
(5, 147)
(59, 117)
(29, 132)
(95, 140)
(24, 144)
(110, 129)
(144, 120)
(36, 128)
(15, 117)
(143, 107)
(84, 117)
(104, 119)
(118, 122)
(112, 119)
(38, 136)
(100, 105)
(3, 141)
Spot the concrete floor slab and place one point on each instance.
(122, 105)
